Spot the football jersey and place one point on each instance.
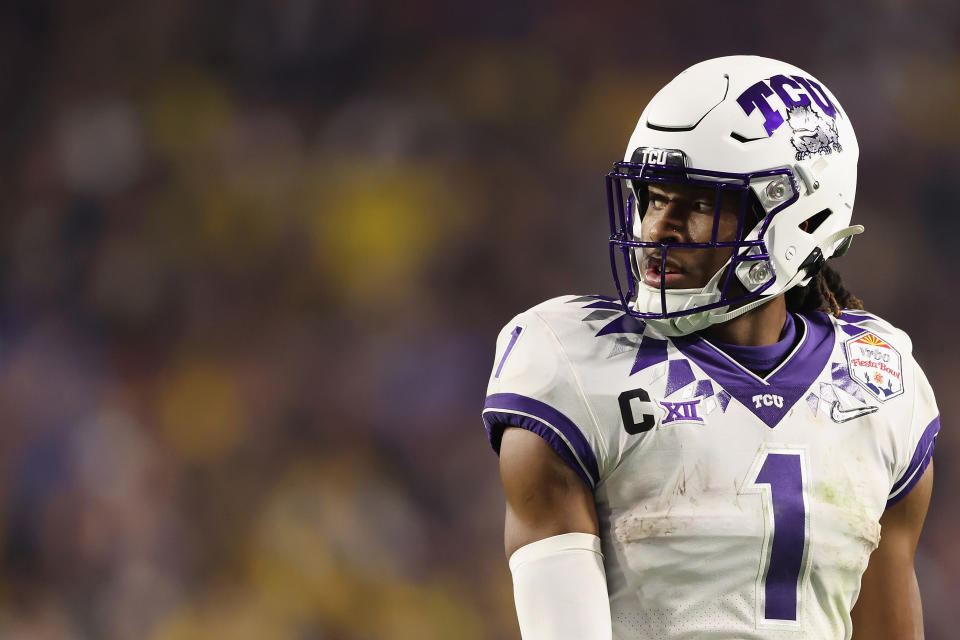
(731, 505)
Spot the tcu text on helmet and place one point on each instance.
(795, 91)
(653, 156)
(768, 400)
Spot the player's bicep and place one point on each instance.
(545, 496)
(889, 606)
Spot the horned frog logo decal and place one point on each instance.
(812, 132)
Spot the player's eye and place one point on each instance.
(657, 201)
(703, 206)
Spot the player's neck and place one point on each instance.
(758, 327)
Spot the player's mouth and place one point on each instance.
(656, 271)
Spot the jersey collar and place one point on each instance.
(790, 380)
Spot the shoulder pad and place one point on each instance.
(854, 322)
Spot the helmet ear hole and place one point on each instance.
(811, 224)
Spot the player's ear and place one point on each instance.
(804, 225)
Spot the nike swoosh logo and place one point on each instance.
(844, 415)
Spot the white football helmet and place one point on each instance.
(752, 125)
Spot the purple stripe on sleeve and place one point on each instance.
(517, 330)
(513, 410)
(918, 464)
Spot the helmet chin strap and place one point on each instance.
(717, 316)
(677, 299)
(683, 325)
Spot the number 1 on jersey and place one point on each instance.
(781, 479)
(514, 335)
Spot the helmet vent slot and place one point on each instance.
(813, 222)
(744, 139)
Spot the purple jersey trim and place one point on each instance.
(852, 330)
(624, 324)
(513, 410)
(766, 357)
(790, 380)
(918, 464)
(651, 352)
(857, 316)
(679, 375)
(603, 304)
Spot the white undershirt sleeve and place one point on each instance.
(560, 589)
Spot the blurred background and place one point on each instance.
(254, 256)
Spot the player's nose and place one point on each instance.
(666, 225)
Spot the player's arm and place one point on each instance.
(889, 604)
(545, 497)
(550, 537)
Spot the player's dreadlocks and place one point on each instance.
(824, 293)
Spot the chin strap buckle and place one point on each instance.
(813, 263)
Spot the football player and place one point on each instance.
(731, 448)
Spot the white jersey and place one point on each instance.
(731, 506)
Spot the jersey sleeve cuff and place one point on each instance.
(503, 410)
(918, 464)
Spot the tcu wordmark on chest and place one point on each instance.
(767, 400)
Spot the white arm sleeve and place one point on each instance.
(560, 589)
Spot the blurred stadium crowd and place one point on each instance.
(255, 256)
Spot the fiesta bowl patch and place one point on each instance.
(875, 365)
